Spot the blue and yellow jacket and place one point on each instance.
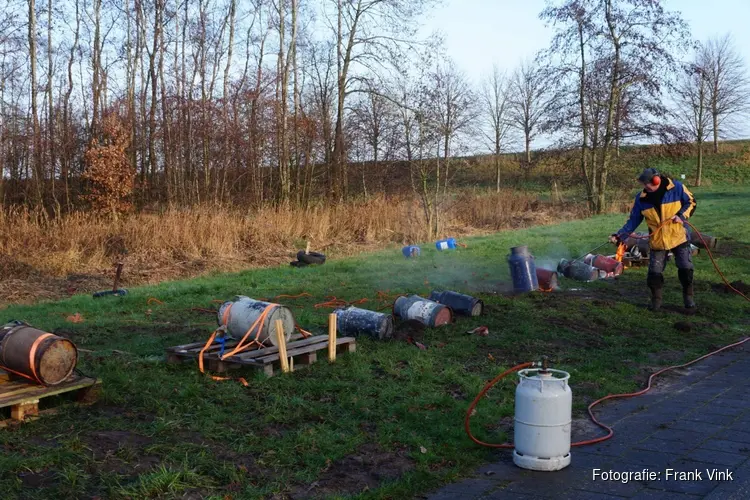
(677, 200)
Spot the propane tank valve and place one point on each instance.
(545, 364)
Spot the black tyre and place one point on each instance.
(296, 263)
(311, 258)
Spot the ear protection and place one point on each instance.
(656, 180)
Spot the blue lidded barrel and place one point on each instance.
(446, 244)
(522, 270)
(353, 321)
(410, 251)
(425, 311)
(459, 303)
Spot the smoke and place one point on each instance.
(555, 252)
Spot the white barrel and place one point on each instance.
(544, 411)
(241, 313)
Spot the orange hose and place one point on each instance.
(609, 430)
(467, 425)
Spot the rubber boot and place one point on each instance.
(655, 282)
(686, 279)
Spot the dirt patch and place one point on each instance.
(738, 285)
(683, 326)
(731, 249)
(666, 357)
(409, 328)
(364, 470)
(603, 303)
(41, 479)
(456, 392)
(106, 443)
(590, 335)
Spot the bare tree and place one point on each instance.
(692, 95)
(621, 47)
(728, 85)
(366, 32)
(496, 113)
(529, 101)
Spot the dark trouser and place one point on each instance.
(683, 260)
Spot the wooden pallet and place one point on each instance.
(23, 397)
(303, 352)
(630, 262)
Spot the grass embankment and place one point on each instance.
(385, 422)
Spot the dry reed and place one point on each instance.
(177, 243)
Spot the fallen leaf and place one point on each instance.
(491, 357)
(421, 346)
(423, 449)
(75, 318)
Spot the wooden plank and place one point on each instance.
(35, 392)
(195, 348)
(307, 349)
(315, 339)
(22, 410)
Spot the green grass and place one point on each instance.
(163, 431)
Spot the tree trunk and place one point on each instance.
(715, 116)
(37, 139)
(51, 114)
(68, 150)
(614, 96)
(227, 135)
(584, 120)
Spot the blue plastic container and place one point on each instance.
(522, 270)
(411, 251)
(446, 244)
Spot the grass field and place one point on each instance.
(384, 422)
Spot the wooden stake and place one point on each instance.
(332, 337)
(282, 346)
(307, 249)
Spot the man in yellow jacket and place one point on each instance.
(665, 204)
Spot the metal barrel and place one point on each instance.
(641, 242)
(547, 279)
(241, 313)
(353, 321)
(577, 270)
(417, 308)
(43, 357)
(604, 263)
(711, 242)
(522, 270)
(465, 305)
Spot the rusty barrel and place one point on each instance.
(425, 311)
(465, 305)
(604, 263)
(577, 270)
(42, 357)
(353, 321)
(547, 279)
